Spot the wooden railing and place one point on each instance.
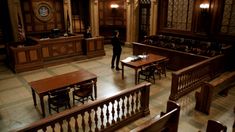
(168, 121)
(106, 114)
(191, 77)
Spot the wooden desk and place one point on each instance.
(42, 87)
(152, 58)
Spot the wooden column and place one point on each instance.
(132, 21)
(94, 9)
(153, 17)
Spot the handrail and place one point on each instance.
(191, 77)
(104, 114)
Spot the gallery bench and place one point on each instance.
(219, 85)
(164, 122)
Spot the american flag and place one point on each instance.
(21, 34)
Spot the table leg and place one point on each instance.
(42, 105)
(34, 97)
(95, 88)
(122, 71)
(136, 76)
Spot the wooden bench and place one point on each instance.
(215, 126)
(166, 122)
(219, 85)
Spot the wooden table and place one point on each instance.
(42, 87)
(152, 58)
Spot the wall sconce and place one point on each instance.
(204, 7)
(114, 6)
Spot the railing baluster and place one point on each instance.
(83, 121)
(118, 110)
(69, 126)
(102, 117)
(96, 120)
(127, 106)
(53, 127)
(44, 129)
(132, 103)
(61, 125)
(123, 107)
(107, 115)
(137, 101)
(76, 122)
(89, 120)
(113, 112)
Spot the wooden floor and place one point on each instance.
(17, 110)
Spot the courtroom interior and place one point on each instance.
(177, 66)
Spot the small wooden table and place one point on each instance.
(42, 87)
(152, 58)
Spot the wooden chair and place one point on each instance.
(147, 73)
(161, 68)
(57, 99)
(83, 92)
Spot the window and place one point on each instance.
(144, 16)
(228, 21)
(179, 14)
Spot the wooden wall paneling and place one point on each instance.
(94, 46)
(25, 58)
(217, 7)
(112, 19)
(62, 47)
(36, 23)
(45, 52)
(33, 55)
(21, 57)
(100, 44)
(79, 47)
(91, 45)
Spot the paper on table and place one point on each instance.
(128, 59)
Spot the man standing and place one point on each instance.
(117, 49)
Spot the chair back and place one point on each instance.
(59, 93)
(88, 87)
(151, 69)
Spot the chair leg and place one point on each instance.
(138, 78)
(153, 79)
(49, 107)
(73, 99)
(83, 100)
(57, 109)
(69, 104)
(92, 98)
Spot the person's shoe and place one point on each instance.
(118, 69)
(112, 67)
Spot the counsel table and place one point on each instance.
(42, 87)
(152, 58)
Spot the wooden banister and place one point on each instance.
(105, 114)
(191, 77)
